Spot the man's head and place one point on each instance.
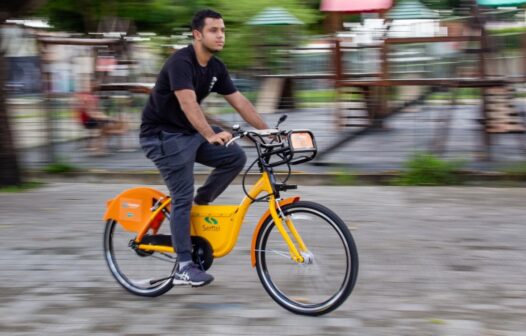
(208, 29)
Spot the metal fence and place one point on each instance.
(47, 129)
(416, 129)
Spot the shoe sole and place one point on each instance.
(177, 282)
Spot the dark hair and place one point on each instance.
(198, 22)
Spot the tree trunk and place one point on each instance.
(10, 174)
(9, 169)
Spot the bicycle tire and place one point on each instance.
(139, 272)
(312, 221)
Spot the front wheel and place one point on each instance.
(327, 277)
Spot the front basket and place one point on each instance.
(302, 146)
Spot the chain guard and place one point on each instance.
(202, 253)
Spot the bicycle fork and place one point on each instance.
(300, 256)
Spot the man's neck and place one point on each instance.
(202, 55)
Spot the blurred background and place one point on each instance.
(423, 92)
(382, 83)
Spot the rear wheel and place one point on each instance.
(328, 275)
(142, 273)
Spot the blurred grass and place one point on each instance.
(57, 114)
(59, 168)
(345, 178)
(462, 93)
(22, 187)
(315, 96)
(425, 169)
(516, 168)
(506, 31)
(437, 321)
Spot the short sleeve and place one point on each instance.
(180, 75)
(224, 85)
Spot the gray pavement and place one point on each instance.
(433, 261)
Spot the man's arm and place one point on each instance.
(188, 101)
(246, 110)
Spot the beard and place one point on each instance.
(210, 50)
(210, 46)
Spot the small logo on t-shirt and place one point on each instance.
(212, 83)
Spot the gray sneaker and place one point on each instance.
(192, 275)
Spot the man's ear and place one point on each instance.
(197, 35)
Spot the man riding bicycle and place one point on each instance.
(175, 134)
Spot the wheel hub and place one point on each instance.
(308, 257)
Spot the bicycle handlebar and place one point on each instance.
(283, 145)
(259, 133)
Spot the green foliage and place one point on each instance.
(509, 38)
(345, 178)
(425, 169)
(518, 168)
(22, 187)
(306, 98)
(241, 38)
(437, 321)
(441, 4)
(507, 31)
(59, 168)
(462, 93)
(166, 16)
(147, 15)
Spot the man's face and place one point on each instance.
(212, 37)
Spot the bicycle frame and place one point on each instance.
(218, 224)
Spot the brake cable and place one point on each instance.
(258, 199)
(243, 182)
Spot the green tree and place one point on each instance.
(442, 4)
(159, 16)
(164, 16)
(239, 52)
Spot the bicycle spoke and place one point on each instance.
(308, 288)
(141, 272)
(280, 253)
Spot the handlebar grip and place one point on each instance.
(233, 140)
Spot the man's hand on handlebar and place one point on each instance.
(219, 138)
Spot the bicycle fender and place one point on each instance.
(132, 207)
(284, 202)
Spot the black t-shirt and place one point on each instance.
(182, 71)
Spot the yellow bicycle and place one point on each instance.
(304, 254)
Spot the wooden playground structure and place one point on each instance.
(363, 99)
(363, 103)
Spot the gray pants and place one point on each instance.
(174, 155)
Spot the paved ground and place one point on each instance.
(433, 261)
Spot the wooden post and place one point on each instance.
(50, 155)
(524, 56)
(337, 60)
(333, 22)
(338, 76)
(483, 43)
(381, 91)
